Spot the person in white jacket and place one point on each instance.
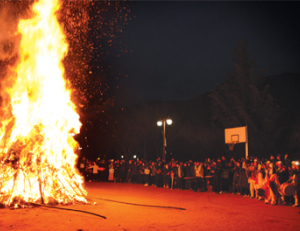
(199, 176)
(95, 168)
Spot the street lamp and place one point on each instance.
(169, 121)
(160, 123)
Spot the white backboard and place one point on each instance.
(236, 135)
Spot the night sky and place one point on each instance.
(180, 50)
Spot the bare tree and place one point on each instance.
(125, 137)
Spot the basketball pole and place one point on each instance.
(246, 144)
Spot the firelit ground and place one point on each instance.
(204, 211)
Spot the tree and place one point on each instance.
(125, 137)
(241, 101)
(295, 139)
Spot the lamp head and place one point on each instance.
(169, 121)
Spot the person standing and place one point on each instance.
(190, 174)
(117, 171)
(82, 167)
(104, 171)
(111, 172)
(174, 175)
(180, 175)
(287, 161)
(141, 172)
(292, 172)
(146, 175)
(197, 175)
(99, 172)
(89, 171)
(252, 179)
(152, 173)
(95, 168)
(201, 177)
(123, 171)
(297, 181)
(236, 170)
(166, 176)
(272, 160)
(243, 180)
(204, 179)
(134, 172)
(184, 179)
(283, 176)
(217, 177)
(158, 175)
(271, 195)
(129, 172)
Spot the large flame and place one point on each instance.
(36, 150)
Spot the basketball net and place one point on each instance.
(231, 145)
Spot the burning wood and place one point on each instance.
(37, 160)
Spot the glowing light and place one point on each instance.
(169, 121)
(36, 150)
(159, 123)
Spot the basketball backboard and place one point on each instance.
(236, 135)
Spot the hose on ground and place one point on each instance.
(128, 203)
(75, 210)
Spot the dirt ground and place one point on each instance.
(204, 211)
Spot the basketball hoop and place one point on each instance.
(231, 145)
(236, 135)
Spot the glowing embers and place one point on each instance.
(37, 160)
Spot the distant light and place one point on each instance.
(80, 148)
(134, 157)
(169, 121)
(122, 156)
(159, 123)
(72, 134)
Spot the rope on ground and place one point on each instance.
(128, 203)
(75, 210)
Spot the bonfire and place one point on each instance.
(38, 118)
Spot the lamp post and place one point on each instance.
(162, 122)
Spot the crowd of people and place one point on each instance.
(274, 180)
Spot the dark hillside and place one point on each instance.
(192, 135)
(285, 88)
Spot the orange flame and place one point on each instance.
(36, 149)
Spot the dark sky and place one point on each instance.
(181, 50)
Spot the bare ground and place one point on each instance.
(204, 211)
